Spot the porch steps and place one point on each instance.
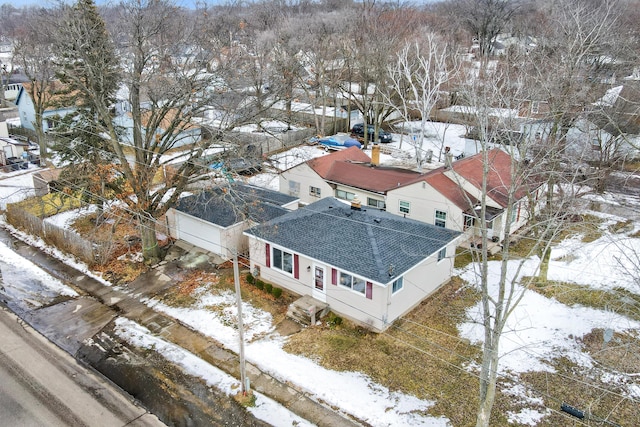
(307, 310)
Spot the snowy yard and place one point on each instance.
(540, 331)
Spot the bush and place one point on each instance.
(334, 320)
(250, 279)
(276, 292)
(259, 284)
(268, 287)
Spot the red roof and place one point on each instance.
(449, 189)
(323, 164)
(378, 179)
(499, 179)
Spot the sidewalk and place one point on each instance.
(127, 303)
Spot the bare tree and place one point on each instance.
(321, 58)
(32, 53)
(504, 85)
(379, 34)
(165, 60)
(422, 68)
(484, 19)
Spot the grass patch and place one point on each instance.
(589, 227)
(621, 227)
(50, 204)
(619, 300)
(463, 258)
(420, 354)
(567, 384)
(185, 292)
(276, 306)
(631, 166)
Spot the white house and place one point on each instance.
(446, 197)
(368, 265)
(26, 108)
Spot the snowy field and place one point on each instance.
(539, 330)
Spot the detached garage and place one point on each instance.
(215, 219)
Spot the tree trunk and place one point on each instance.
(544, 263)
(488, 378)
(42, 138)
(150, 248)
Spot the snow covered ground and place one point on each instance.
(539, 330)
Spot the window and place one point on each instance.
(348, 281)
(535, 107)
(314, 191)
(514, 212)
(441, 219)
(294, 188)
(282, 260)
(469, 221)
(405, 207)
(442, 254)
(345, 195)
(380, 204)
(397, 285)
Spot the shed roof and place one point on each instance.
(234, 203)
(373, 244)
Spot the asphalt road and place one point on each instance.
(41, 385)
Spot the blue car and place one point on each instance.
(337, 142)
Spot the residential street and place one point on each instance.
(42, 385)
(84, 325)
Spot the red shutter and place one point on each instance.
(268, 256)
(334, 276)
(369, 291)
(518, 216)
(296, 269)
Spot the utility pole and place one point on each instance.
(236, 280)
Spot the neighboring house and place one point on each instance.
(446, 197)
(51, 114)
(13, 152)
(214, 219)
(450, 197)
(368, 265)
(464, 190)
(12, 84)
(591, 139)
(306, 180)
(187, 134)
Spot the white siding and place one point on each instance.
(379, 311)
(306, 178)
(199, 233)
(425, 200)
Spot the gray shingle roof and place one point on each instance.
(230, 204)
(370, 243)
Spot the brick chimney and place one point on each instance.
(375, 155)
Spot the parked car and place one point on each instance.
(337, 142)
(384, 136)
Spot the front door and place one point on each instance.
(319, 284)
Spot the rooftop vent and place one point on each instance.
(356, 204)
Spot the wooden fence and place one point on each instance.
(66, 240)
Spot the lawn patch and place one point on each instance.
(420, 354)
(619, 300)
